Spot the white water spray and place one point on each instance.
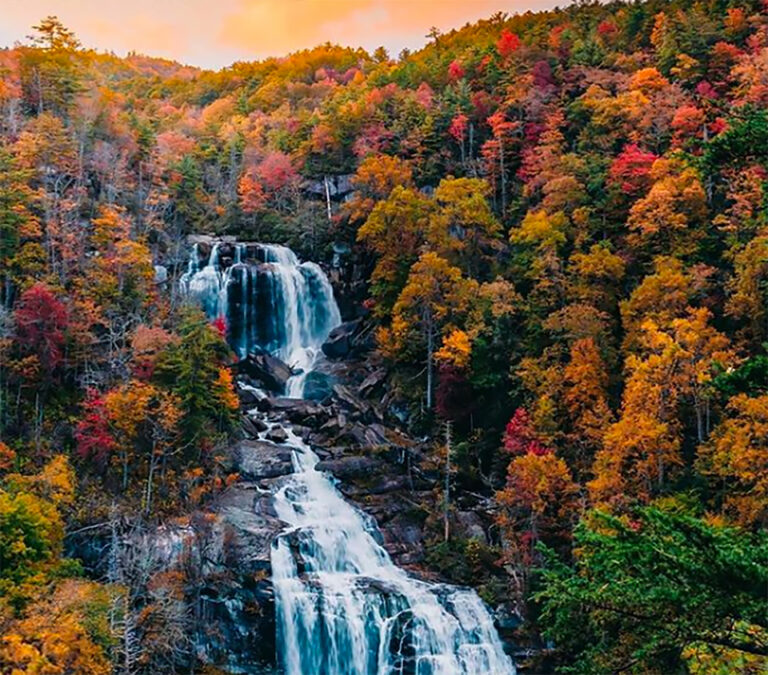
(344, 608)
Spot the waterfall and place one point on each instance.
(204, 284)
(344, 608)
(269, 299)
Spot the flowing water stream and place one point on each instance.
(343, 607)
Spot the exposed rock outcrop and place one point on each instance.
(267, 370)
(255, 460)
(350, 338)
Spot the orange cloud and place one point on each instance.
(278, 26)
(139, 32)
(214, 34)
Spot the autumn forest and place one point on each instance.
(547, 235)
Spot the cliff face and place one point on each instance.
(218, 608)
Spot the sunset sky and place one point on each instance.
(214, 33)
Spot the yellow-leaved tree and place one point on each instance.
(736, 460)
(435, 300)
(643, 448)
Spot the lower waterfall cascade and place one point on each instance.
(343, 607)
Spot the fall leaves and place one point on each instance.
(558, 221)
(153, 426)
(58, 634)
(47, 625)
(736, 457)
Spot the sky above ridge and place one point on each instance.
(215, 33)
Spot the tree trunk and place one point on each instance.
(430, 360)
(326, 182)
(699, 421)
(150, 478)
(446, 519)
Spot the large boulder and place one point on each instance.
(246, 525)
(363, 436)
(472, 525)
(318, 386)
(277, 435)
(296, 410)
(270, 371)
(252, 426)
(351, 467)
(248, 397)
(372, 382)
(340, 340)
(352, 400)
(256, 460)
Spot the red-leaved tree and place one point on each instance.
(41, 327)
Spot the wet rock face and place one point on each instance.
(237, 598)
(248, 524)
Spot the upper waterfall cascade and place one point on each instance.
(269, 299)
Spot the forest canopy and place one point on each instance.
(556, 226)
